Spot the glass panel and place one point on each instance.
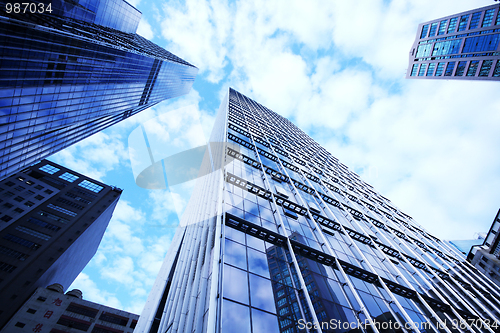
(264, 322)
(234, 254)
(261, 293)
(235, 284)
(257, 262)
(235, 317)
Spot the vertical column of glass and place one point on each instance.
(292, 270)
(318, 229)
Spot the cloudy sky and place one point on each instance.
(334, 68)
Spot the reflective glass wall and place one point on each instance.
(288, 239)
(63, 79)
(462, 46)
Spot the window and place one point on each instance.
(430, 69)
(19, 210)
(91, 186)
(485, 68)
(83, 310)
(29, 182)
(41, 299)
(442, 27)
(39, 197)
(31, 311)
(19, 324)
(22, 241)
(62, 210)
(49, 169)
(9, 183)
(44, 224)
(32, 232)
(488, 17)
(453, 25)
(472, 68)
(6, 218)
(421, 72)
(53, 217)
(19, 199)
(29, 203)
(8, 194)
(19, 188)
(432, 32)
(77, 324)
(7, 267)
(460, 68)
(474, 22)
(463, 22)
(414, 70)
(449, 68)
(496, 71)
(481, 43)
(68, 177)
(8, 205)
(112, 318)
(425, 28)
(48, 191)
(13, 253)
(39, 187)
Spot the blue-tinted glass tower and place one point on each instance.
(73, 69)
(463, 46)
(282, 237)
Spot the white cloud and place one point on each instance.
(93, 293)
(144, 29)
(95, 156)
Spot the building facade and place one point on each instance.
(49, 310)
(463, 46)
(282, 237)
(486, 256)
(71, 70)
(52, 220)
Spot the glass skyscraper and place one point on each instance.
(72, 69)
(462, 46)
(282, 237)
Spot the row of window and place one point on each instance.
(69, 177)
(438, 69)
(449, 26)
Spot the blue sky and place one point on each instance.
(336, 69)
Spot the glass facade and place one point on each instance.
(285, 238)
(67, 75)
(472, 39)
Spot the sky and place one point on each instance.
(334, 68)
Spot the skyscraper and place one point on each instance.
(282, 237)
(52, 220)
(69, 70)
(463, 46)
(486, 256)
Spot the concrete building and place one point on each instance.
(49, 310)
(52, 220)
(486, 257)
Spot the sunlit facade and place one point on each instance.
(285, 238)
(73, 72)
(463, 46)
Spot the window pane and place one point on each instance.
(261, 293)
(264, 322)
(235, 284)
(234, 254)
(235, 318)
